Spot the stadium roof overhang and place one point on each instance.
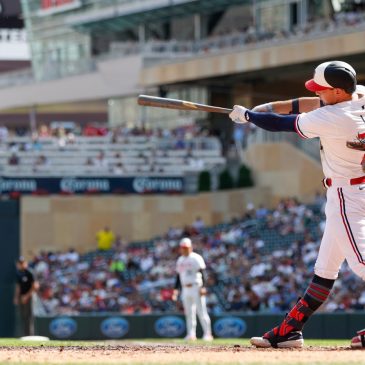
(130, 15)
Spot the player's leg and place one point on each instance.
(352, 211)
(190, 314)
(289, 333)
(330, 258)
(201, 306)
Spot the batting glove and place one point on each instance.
(238, 114)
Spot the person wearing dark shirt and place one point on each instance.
(25, 286)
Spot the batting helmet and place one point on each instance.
(333, 74)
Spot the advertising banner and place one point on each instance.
(170, 325)
(99, 184)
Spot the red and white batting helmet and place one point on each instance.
(333, 74)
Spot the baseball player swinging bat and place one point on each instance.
(155, 101)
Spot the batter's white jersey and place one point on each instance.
(344, 234)
(335, 125)
(188, 268)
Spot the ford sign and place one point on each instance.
(170, 326)
(230, 327)
(63, 327)
(114, 327)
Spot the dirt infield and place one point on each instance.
(178, 354)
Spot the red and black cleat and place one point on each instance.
(289, 333)
(293, 339)
(358, 342)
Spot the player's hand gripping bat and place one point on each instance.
(155, 101)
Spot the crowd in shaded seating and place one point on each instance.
(67, 133)
(68, 149)
(259, 262)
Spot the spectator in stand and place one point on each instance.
(253, 300)
(117, 265)
(41, 160)
(72, 283)
(118, 169)
(105, 239)
(239, 136)
(101, 160)
(237, 304)
(180, 143)
(198, 224)
(4, 133)
(89, 162)
(13, 160)
(36, 144)
(62, 138)
(44, 131)
(261, 212)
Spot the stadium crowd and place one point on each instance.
(68, 131)
(255, 263)
(236, 35)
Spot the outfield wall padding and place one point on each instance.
(10, 244)
(230, 325)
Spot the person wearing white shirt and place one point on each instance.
(336, 115)
(190, 268)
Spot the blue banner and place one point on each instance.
(87, 185)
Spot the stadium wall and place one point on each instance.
(289, 52)
(61, 222)
(171, 325)
(9, 231)
(106, 78)
(285, 169)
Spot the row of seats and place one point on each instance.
(76, 170)
(127, 151)
(99, 155)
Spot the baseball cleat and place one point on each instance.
(260, 342)
(358, 342)
(207, 338)
(291, 340)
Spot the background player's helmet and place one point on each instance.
(333, 74)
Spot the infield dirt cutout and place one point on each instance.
(178, 354)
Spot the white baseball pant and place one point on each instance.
(194, 304)
(344, 235)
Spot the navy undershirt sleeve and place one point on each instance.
(273, 122)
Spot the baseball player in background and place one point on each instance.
(340, 126)
(190, 279)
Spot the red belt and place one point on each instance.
(355, 181)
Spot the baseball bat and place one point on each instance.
(147, 100)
